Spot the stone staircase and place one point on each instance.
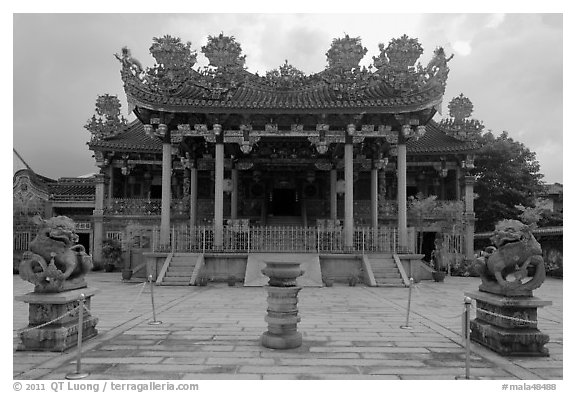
(284, 221)
(385, 270)
(180, 269)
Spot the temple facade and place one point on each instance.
(221, 161)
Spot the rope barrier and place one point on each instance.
(137, 297)
(505, 316)
(68, 313)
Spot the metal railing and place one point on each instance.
(280, 239)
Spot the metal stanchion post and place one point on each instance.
(407, 326)
(467, 303)
(79, 374)
(154, 322)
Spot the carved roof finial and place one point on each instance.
(109, 121)
(224, 52)
(460, 108)
(345, 53)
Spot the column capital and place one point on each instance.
(99, 178)
(469, 180)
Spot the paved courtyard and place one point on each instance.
(348, 332)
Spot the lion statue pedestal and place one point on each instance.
(56, 265)
(506, 311)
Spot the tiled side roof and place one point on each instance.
(132, 139)
(437, 141)
(70, 190)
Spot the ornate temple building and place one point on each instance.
(225, 164)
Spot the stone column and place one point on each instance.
(98, 219)
(219, 189)
(166, 191)
(469, 217)
(349, 190)
(333, 195)
(374, 198)
(193, 195)
(110, 185)
(234, 195)
(457, 182)
(402, 215)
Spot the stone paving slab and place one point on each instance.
(348, 333)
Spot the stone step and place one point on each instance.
(183, 263)
(171, 274)
(175, 283)
(183, 269)
(384, 268)
(399, 284)
(382, 280)
(176, 279)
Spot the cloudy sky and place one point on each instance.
(509, 65)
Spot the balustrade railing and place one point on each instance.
(133, 206)
(242, 239)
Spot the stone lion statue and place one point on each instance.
(55, 262)
(506, 268)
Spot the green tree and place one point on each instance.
(508, 175)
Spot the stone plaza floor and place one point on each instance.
(213, 333)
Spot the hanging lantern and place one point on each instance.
(322, 147)
(381, 163)
(161, 130)
(310, 176)
(149, 130)
(245, 147)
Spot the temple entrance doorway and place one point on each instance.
(284, 202)
(84, 239)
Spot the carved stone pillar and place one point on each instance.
(97, 215)
(402, 215)
(457, 183)
(333, 195)
(166, 192)
(349, 191)
(469, 216)
(381, 189)
(110, 184)
(193, 196)
(234, 195)
(374, 198)
(219, 189)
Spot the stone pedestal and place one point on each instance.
(508, 325)
(282, 313)
(62, 333)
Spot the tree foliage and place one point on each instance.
(508, 175)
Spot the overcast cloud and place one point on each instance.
(509, 65)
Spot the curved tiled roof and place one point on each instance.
(251, 95)
(37, 180)
(132, 138)
(435, 140)
(71, 189)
